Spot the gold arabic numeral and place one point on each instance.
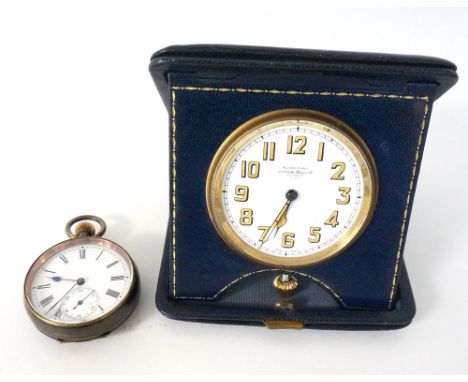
(345, 194)
(246, 216)
(321, 148)
(314, 234)
(242, 193)
(250, 169)
(341, 166)
(269, 150)
(265, 229)
(301, 140)
(287, 240)
(333, 219)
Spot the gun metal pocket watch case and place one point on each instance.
(81, 288)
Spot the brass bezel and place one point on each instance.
(61, 247)
(258, 126)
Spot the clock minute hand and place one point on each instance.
(281, 218)
(80, 281)
(68, 291)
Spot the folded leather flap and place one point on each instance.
(242, 60)
(246, 53)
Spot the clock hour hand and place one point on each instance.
(280, 219)
(58, 278)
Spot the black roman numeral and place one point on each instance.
(46, 300)
(112, 293)
(82, 253)
(116, 278)
(44, 286)
(64, 259)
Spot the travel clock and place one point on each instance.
(82, 288)
(292, 177)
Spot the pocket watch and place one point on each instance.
(81, 288)
(291, 188)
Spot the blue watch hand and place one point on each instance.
(58, 278)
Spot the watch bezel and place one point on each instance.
(64, 245)
(257, 126)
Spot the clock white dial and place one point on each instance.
(292, 188)
(80, 284)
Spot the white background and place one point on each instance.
(83, 130)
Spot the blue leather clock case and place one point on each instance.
(212, 90)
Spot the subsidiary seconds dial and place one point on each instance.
(291, 187)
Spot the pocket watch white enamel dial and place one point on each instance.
(291, 188)
(81, 288)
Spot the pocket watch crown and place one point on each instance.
(85, 227)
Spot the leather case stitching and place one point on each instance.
(306, 93)
(327, 287)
